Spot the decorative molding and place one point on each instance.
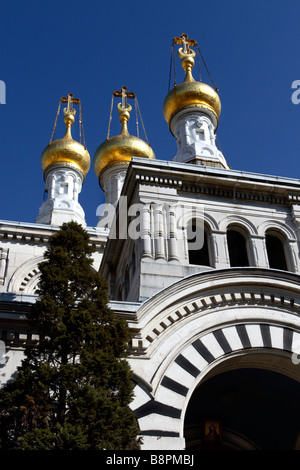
(208, 292)
(233, 194)
(158, 180)
(212, 302)
(14, 337)
(33, 238)
(37, 236)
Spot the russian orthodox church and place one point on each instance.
(202, 261)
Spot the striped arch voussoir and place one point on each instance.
(162, 415)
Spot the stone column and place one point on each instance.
(3, 263)
(259, 251)
(146, 231)
(172, 235)
(293, 255)
(158, 231)
(219, 255)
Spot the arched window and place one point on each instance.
(237, 248)
(127, 282)
(275, 251)
(198, 244)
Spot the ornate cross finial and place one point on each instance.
(186, 55)
(124, 108)
(70, 100)
(124, 93)
(185, 42)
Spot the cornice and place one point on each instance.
(40, 234)
(210, 181)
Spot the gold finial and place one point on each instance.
(124, 108)
(191, 93)
(119, 149)
(66, 151)
(69, 112)
(186, 55)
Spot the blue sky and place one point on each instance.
(91, 48)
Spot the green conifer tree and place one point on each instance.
(73, 389)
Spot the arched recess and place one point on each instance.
(25, 279)
(199, 243)
(238, 246)
(196, 326)
(186, 214)
(242, 231)
(239, 221)
(288, 239)
(277, 250)
(271, 224)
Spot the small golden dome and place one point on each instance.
(119, 149)
(190, 93)
(66, 151)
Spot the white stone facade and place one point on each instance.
(22, 249)
(233, 302)
(191, 321)
(163, 207)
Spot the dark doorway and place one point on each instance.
(254, 409)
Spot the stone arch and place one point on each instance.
(288, 239)
(247, 229)
(25, 279)
(280, 227)
(203, 292)
(184, 219)
(162, 414)
(194, 213)
(238, 221)
(212, 317)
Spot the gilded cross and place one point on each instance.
(185, 42)
(70, 100)
(124, 93)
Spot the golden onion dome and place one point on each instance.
(190, 93)
(119, 149)
(66, 151)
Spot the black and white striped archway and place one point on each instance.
(259, 327)
(163, 415)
